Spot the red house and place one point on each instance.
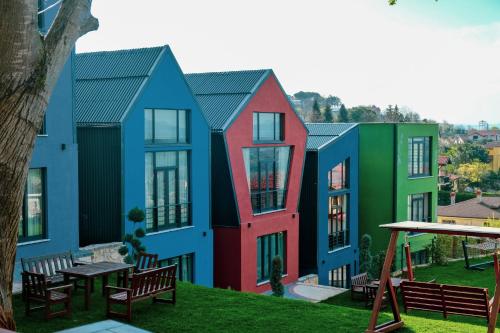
(258, 150)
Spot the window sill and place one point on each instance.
(420, 177)
(267, 142)
(34, 242)
(269, 281)
(42, 135)
(168, 230)
(269, 212)
(339, 249)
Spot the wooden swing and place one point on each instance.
(434, 228)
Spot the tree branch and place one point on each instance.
(73, 20)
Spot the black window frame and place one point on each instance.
(23, 221)
(341, 237)
(264, 278)
(169, 261)
(345, 272)
(43, 129)
(178, 206)
(345, 175)
(425, 163)
(154, 141)
(420, 198)
(256, 127)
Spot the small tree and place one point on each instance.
(316, 116)
(343, 116)
(327, 114)
(132, 244)
(276, 272)
(365, 255)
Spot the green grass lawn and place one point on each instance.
(200, 309)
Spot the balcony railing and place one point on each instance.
(338, 239)
(265, 201)
(168, 217)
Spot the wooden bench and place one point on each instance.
(358, 285)
(148, 284)
(145, 261)
(48, 266)
(447, 299)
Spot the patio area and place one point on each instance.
(105, 326)
(309, 292)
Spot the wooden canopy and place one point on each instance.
(434, 228)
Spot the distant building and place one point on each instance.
(476, 211)
(494, 154)
(483, 135)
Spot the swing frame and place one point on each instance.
(434, 228)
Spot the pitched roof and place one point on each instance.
(321, 134)
(107, 82)
(443, 160)
(488, 207)
(222, 94)
(493, 144)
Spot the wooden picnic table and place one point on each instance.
(91, 271)
(396, 282)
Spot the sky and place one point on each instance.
(438, 58)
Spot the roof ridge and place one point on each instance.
(133, 50)
(112, 77)
(230, 72)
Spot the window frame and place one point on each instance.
(178, 275)
(345, 164)
(23, 222)
(281, 122)
(178, 206)
(426, 204)
(345, 271)
(153, 141)
(426, 146)
(331, 223)
(262, 278)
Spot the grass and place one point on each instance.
(200, 309)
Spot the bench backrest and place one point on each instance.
(471, 301)
(146, 261)
(422, 296)
(360, 279)
(153, 281)
(34, 284)
(47, 265)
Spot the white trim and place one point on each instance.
(270, 212)
(339, 249)
(49, 7)
(169, 230)
(269, 281)
(34, 242)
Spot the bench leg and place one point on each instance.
(129, 311)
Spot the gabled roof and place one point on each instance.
(322, 134)
(223, 94)
(493, 144)
(106, 83)
(443, 160)
(473, 208)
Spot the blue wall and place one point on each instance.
(167, 88)
(346, 146)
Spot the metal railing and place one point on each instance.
(265, 201)
(168, 217)
(338, 239)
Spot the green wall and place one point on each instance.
(384, 183)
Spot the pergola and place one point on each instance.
(434, 228)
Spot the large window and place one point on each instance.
(337, 176)
(338, 225)
(418, 207)
(340, 277)
(167, 190)
(165, 126)
(184, 266)
(32, 222)
(268, 247)
(267, 174)
(268, 126)
(419, 156)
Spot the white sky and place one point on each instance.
(363, 51)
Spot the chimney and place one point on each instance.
(452, 197)
(479, 195)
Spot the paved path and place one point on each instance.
(106, 326)
(309, 292)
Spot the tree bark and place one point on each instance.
(30, 65)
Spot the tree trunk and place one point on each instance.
(29, 68)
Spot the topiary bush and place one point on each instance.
(132, 244)
(276, 273)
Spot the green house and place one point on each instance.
(398, 174)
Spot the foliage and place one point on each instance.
(364, 114)
(473, 173)
(491, 181)
(365, 255)
(378, 264)
(316, 116)
(132, 244)
(276, 273)
(444, 197)
(327, 114)
(492, 222)
(343, 116)
(437, 250)
(467, 153)
(393, 115)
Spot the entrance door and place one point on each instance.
(166, 197)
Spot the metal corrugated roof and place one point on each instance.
(222, 94)
(321, 134)
(106, 82)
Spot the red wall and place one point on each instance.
(269, 98)
(227, 256)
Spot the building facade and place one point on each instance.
(398, 175)
(258, 148)
(144, 142)
(494, 154)
(329, 204)
(49, 221)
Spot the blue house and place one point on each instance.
(143, 142)
(49, 221)
(328, 244)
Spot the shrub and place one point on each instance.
(365, 256)
(132, 244)
(439, 249)
(276, 272)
